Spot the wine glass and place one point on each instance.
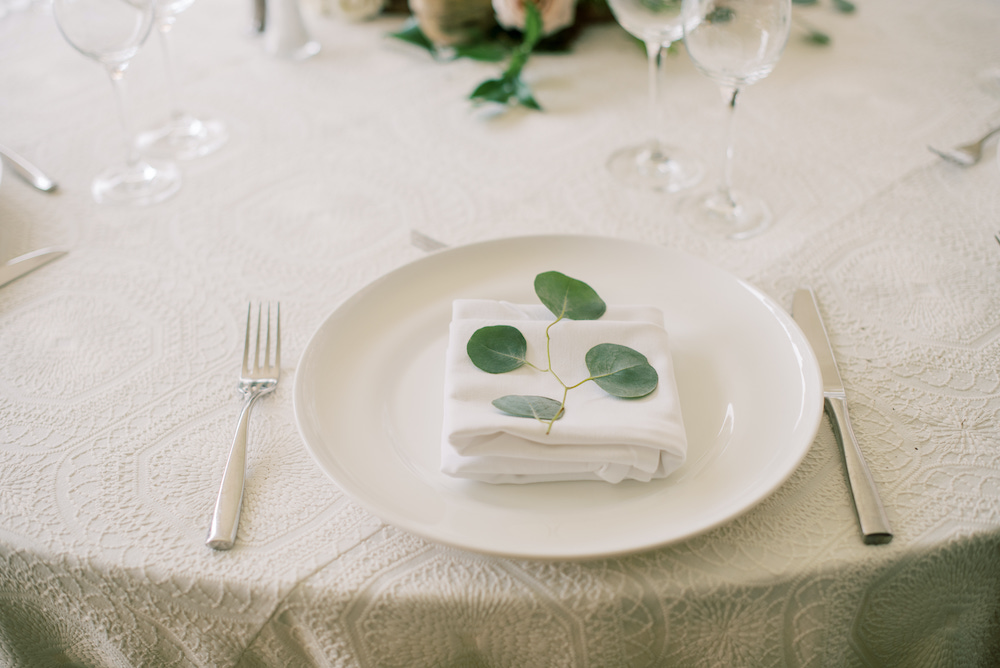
(111, 32)
(653, 165)
(183, 136)
(735, 43)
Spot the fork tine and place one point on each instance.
(277, 336)
(246, 343)
(256, 352)
(267, 342)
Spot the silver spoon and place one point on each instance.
(27, 171)
(966, 155)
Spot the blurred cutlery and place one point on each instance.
(425, 243)
(27, 171)
(21, 265)
(966, 155)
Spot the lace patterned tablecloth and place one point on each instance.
(119, 361)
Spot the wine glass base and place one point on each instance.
(183, 138)
(292, 50)
(139, 184)
(654, 167)
(737, 217)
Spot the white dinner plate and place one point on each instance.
(368, 398)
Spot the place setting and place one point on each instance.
(414, 437)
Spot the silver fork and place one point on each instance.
(966, 155)
(254, 383)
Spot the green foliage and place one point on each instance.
(817, 37)
(510, 87)
(618, 370)
(814, 35)
(497, 349)
(720, 15)
(567, 297)
(489, 52)
(412, 34)
(621, 371)
(530, 406)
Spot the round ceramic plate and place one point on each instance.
(368, 397)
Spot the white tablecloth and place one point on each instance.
(119, 361)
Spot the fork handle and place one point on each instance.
(229, 502)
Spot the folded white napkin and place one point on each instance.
(600, 437)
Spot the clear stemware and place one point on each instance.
(111, 32)
(735, 43)
(183, 136)
(653, 165)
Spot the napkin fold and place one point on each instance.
(600, 437)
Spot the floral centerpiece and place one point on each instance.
(511, 30)
(500, 30)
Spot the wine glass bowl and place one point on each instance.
(657, 21)
(111, 32)
(653, 165)
(111, 41)
(182, 136)
(735, 43)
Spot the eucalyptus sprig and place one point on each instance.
(618, 370)
(510, 86)
(495, 44)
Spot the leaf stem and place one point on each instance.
(548, 350)
(562, 409)
(581, 382)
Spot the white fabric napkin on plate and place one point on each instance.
(600, 437)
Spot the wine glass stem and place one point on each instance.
(163, 25)
(654, 52)
(117, 75)
(729, 95)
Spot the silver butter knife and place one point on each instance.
(871, 515)
(21, 265)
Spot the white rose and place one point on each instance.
(556, 14)
(359, 10)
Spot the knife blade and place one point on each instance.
(871, 515)
(21, 265)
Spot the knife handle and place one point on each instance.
(871, 515)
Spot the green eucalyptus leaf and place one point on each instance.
(567, 297)
(489, 52)
(497, 348)
(817, 37)
(720, 15)
(844, 6)
(621, 371)
(530, 406)
(525, 96)
(412, 34)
